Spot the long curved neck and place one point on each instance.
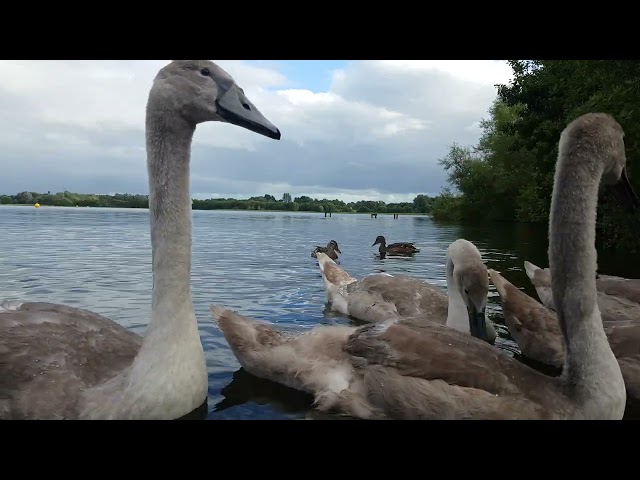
(170, 364)
(590, 366)
(171, 342)
(168, 155)
(457, 316)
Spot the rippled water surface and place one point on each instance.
(256, 262)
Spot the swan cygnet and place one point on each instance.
(62, 362)
(536, 331)
(388, 370)
(381, 296)
(618, 298)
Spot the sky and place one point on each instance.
(352, 130)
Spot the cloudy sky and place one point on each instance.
(350, 129)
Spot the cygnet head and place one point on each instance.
(601, 132)
(200, 91)
(467, 275)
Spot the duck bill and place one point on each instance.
(478, 323)
(624, 193)
(234, 107)
(338, 250)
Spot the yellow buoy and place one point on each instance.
(37, 205)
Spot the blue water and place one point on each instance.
(258, 263)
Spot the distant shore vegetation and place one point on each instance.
(420, 205)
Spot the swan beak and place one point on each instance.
(478, 323)
(624, 193)
(234, 107)
(338, 249)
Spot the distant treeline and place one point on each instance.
(508, 175)
(421, 204)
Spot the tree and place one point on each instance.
(24, 197)
(421, 204)
(508, 175)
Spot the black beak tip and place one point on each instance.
(625, 194)
(270, 133)
(627, 199)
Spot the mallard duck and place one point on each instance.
(332, 250)
(394, 249)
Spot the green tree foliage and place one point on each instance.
(421, 204)
(68, 199)
(508, 176)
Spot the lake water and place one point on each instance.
(258, 263)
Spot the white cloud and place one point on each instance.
(487, 72)
(376, 134)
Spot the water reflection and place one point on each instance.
(245, 389)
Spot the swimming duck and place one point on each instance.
(332, 250)
(394, 249)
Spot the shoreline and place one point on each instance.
(223, 210)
